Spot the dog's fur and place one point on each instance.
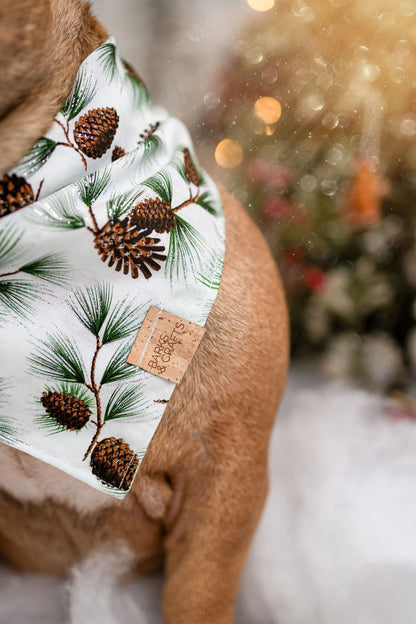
(201, 487)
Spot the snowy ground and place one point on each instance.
(337, 542)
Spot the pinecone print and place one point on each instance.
(118, 152)
(190, 169)
(129, 248)
(95, 131)
(15, 193)
(69, 411)
(114, 462)
(154, 215)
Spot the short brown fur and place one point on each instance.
(200, 490)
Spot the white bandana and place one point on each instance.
(107, 215)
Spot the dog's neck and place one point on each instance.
(38, 65)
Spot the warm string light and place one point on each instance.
(261, 5)
(228, 154)
(268, 110)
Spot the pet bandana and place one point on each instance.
(108, 215)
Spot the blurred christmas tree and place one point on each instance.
(314, 123)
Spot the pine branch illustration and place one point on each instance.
(205, 201)
(125, 403)
(186, 246)
(9, 237)
(118, 205)
(92, 306)
(212, 279)
(82, 93)
(18, 297)
(96, 391)
(161, 184)
(58, 358)
(93, 185)
(36, 158)
(50, 268)
(141, 95)
(107, 55)
(123, 321)
(117, 368)
(59, 212)
(7, 431)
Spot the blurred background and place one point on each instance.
(306, 111)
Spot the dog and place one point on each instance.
(202, 484)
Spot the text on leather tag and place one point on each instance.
(165, 344)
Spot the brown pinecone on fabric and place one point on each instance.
(154, 215)
(118, 152)
(69, 411)
(114, 462)
(94, 132)
(190, 169)
(129, 248)
(15, 193)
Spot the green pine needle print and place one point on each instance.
(58, 358)
(107, 55)
(186, 247)
(92, 306)
(151, 146)
(125, 402)
(141, 96)
(161, 184)
(93, 185)
(7, 432)
(205, 201)
(50, 268)
(18, 297)
(9, 237)
(36, 158)
(212, 279)
(83, 91)
(59, 212)
(117, 368)
(124, 320)
(118, 205)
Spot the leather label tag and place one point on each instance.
(165, 344)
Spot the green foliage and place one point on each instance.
(37, 157)
(9, 237)
(18, 296)
(93, 185)
(213, 279)
(118, 205)
(58, 358)
(161, 184)
(141, 96)
(117, 368)
(207, 204)
(152, 144)
(186, 246)
(92, 306)
(123, 321)
(125, 402)
(83, 91)
(50, 268)
(59, 212)
(107, 55)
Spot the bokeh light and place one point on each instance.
(261, 5)
(228, 154)
(268, 110)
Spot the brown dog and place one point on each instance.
(201, 487)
